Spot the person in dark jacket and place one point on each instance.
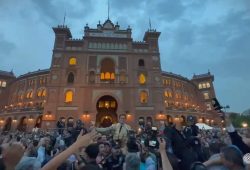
(183, 152)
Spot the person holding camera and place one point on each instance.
(191, 134)
(118, 130)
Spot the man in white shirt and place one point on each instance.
(118, 130)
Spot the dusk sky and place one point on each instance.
(196, 36)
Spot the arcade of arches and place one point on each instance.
(23, 124)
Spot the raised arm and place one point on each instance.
(107, 129)
(166, 165)
(80, 142)
(235, 137)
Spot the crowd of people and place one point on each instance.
(167, 146)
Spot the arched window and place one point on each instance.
(39, 93)
(4, 84)
(43, 92)
(142, 78)
(71, 78)
(69, 96)
(102, 76)
(200, 86)
(141, 63)
(112, 76)
(143, 97)
(107, 69)
(29, 94)
(72, 61)
(208, 85)
(107, 76)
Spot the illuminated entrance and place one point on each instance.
(106, 111)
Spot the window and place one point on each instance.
(206, 95)
(143, 97)
(29, 95)
(203, 85)
(107, 76)
(71, 78)
(141, 63)
(39, 93)
(4, 84)
(69, 96)
(142, 78)
(112, 76)
(168, 93)
(107, 69)
(200, 86)
(102, 76)
(209, 106)
(43, 93)
(72, 61)
(208, 85)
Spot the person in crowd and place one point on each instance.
(181, 149)
(236, 139)
(11, 153)
(78, 128)
(29, 160)
(191, 132)
(230, 157)
(132, 161)
(119, 130)
(148, 160)
(198, 166)
(61, 125)
(100, 159)
(91, 152)
(43, 150)
(116, 159)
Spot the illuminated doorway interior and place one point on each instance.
(106, 111)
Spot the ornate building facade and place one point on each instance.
(100, 76)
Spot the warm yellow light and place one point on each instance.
(69, 96)
(112, 77)
(244, 125)
(142, 79)
(44, 93)
(107, 76)
(72, 61)
(143, 97)
(102, 76)
(14, 120)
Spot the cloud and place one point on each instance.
(195, 35)
(6, 47)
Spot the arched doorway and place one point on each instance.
(22, 126)
(38, 123)
(106, 111)
(7, 125)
